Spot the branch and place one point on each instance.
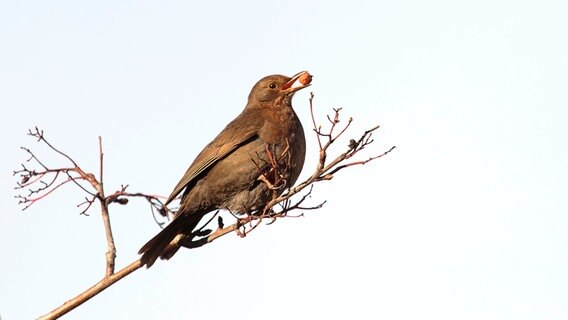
(99, 287)
(45, 181)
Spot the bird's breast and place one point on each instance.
(280, 126)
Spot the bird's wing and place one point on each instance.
(240, 131)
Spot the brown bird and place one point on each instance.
(259, 153)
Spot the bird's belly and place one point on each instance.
(233, 183)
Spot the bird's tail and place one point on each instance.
(161, 246)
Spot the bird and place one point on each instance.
(260, 153)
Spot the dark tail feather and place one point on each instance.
(159, 246)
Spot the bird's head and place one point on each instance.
(278, 88)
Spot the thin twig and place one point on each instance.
(111, 252)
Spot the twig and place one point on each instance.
(111, 253)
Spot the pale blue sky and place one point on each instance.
(467, 219)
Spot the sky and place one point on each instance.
(466, 219)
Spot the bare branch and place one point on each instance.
(39, 135)
(91, 292)
(43, 182)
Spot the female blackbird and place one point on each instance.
(259, 153)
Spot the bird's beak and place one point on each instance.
(304, 77)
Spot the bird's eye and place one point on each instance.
(272, 85)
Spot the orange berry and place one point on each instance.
(305, 78)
